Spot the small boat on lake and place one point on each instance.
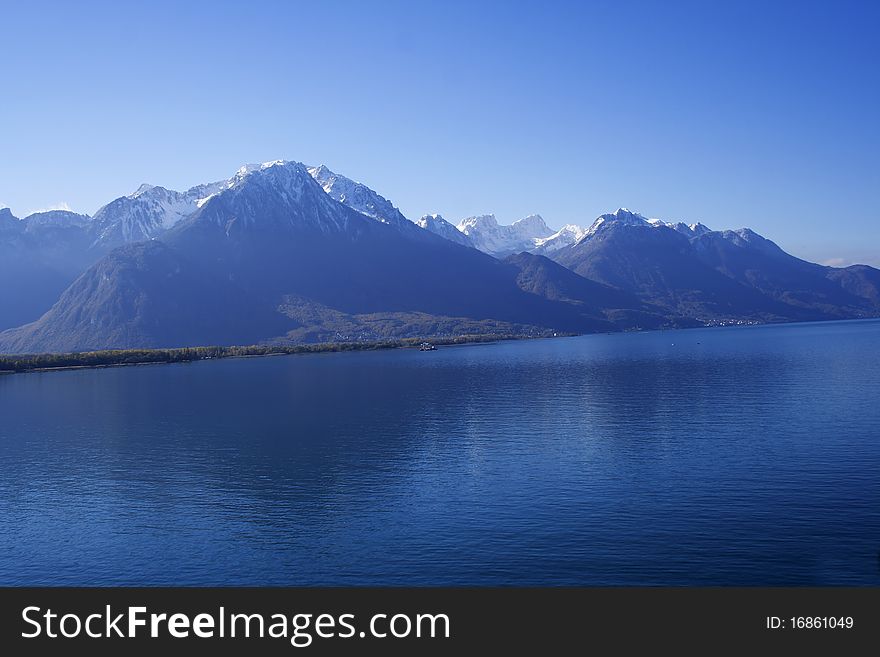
(427, 346)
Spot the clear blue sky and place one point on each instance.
(764, 114)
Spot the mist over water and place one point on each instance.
(734, 456)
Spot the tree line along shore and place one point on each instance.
(119, 357)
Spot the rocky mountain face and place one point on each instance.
(40, 256)
(358, 197)
(273, 251)
(146, 214)
(487, 235)
(711, 276)
(439, 226)
(281, 252)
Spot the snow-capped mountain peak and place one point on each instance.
(622, 216)
(143, 189)
(146, 213)
(533, 225)
(688, 230)
(478, 222)
(626, 217)
(358, 196)
(280, 194)
(280, 170)
(491, 237)
(152, 210)
(436, 224)
(248, 169)
(565, 236)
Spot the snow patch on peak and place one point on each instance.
(321, 172)
(623, 216)
(249, 169)
(143, 189)
(358, 196)
(490, 237)
(620, 217)
(565, 236)
(534, 224)
(436, 224)
(627, 215)
(289, 180)
(746, 237)
(148, 212)
(432, 218)
(480, 221)
(699, 229)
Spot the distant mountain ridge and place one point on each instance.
(284, 253)
(273, 257)
(40, 256)
(147, 213)
(707, 275)
(439, 226)
(357, 196)
(489, 236)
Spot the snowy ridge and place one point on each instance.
(565, 236)
(439, 226)
(274, 195)
(152, 210)
(147, 213)
(357, 196)
(628, 218)
(490, 237)
(621, 216)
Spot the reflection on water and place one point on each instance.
(712, 456)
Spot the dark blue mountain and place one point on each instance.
(40, 257)
(715, 276)
(271, 256)
(273, 248)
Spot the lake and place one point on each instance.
(722, 456)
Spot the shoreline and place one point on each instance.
(92, 360)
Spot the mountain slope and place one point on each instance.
(753, 260)
(358, 197)
(55, 220)
(439, 226)
(659, 264)
(277, 232)
(859, 280)
(144, 295)
(541, 276)
(270, 255)
(566, 236)
(39, 257)
(274, 247)
(146, 214)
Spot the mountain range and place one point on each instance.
(282, 252)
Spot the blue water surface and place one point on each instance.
(729, 456)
